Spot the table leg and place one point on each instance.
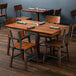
(37, 16)
(37, 43)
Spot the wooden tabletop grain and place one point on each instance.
(44, 28)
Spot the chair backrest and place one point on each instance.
(57, 12)
(10, 20)
(19, 38)
(53, 19)
(73, 14)
(66, 36)
(14, 31)
(3, 6)
(18, 9)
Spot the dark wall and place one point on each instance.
(65, 5)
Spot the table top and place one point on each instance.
(44, 28)
(38, 10)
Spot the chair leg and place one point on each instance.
(45, 51)
(26, 67)
(12, 57)
(59, 57)
(37, 59)
(67, 53)
(51, 49)
(72, 33)
(22, 55)
(45, 39)
(25, 59)
(8, 48)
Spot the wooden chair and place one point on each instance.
(18, 11)
(24, 47)
(73, 14)
(57, 12)
(51, 19)
(23, 33)
(62, 42)
(3, 8)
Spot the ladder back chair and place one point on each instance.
(24, 47)
(62, 42)
(23, 33)
(3, 8)
(73, 14)
(18, 11)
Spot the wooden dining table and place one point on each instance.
(41, 29)
(37, 11)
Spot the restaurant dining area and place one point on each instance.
(37, 37)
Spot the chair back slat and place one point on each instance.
(18, 9)
(3, 6)
(57, 12)
(53, 19)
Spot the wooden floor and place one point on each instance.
(48, 69)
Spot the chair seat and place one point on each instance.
(25, 45)
(23, 17)
(55, 43)
(2, 15)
